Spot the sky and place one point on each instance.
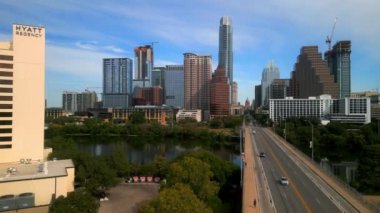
(79, 34)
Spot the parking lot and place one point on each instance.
(129, 197)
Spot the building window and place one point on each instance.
(8, 130)
(3, 139)
(7, 82)
(6, 90)
(6, 74)
(6, 57)
(6, 98)
(5, 114)
(7, 146)
(6, 106)
(4, 65)
(5, 122)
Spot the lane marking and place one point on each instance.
(292, 186)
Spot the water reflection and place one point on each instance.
(142, 153)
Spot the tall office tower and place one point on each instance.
(225, 56)
(174, 89)
(339, 62)
(279, 88)
(219, 93)
(86, 100)
(144, 64)
(22, 95)
(311, 76)
(69, 101)
(117, 82)
(270, 73)
(257, 96)
(158, 76)
(234, 93)
(197, 72)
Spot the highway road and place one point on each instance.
(302, 194)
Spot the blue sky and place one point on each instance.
(80, 33)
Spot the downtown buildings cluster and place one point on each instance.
(192, 86)
(318, 87)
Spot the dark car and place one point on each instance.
(262, 155)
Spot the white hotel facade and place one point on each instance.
(347, 110)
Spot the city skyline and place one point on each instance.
(79, 35)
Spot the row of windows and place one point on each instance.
(6, 98)
(7, 130)
(6, 90)
(6, 139)
(4, 65)
(7, 146)
(6, 57)
(6, 74)
(5, 122)
(6, 82)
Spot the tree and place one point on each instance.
(76, 202)
(177, 199)
(369, 169)
(196, 173)
(137, 118)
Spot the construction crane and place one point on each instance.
(329, 38)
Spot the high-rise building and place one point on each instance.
(279, 88)
(26, 176)
(234, 93)
(148, 96)
(219, 93)
(311, 75)
(69, 101)
(158, 76)
(144, 64)
(225, 56)
(86, 100)
(174, 86)
(22, 94)
(197, 72)
(339, 62)
(257, 96)
(117, 82)
(270, 73)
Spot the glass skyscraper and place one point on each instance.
(270, 73)
(339, 62)
(225, 55)
(117, 82)
(174, 85)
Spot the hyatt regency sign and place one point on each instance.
(29, 31)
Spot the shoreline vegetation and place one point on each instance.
(207, 182)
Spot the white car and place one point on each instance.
(253, 131)
(284, 181)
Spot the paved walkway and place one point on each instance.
(250, 196)
(329, 180)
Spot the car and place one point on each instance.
(262, 155)
(253, 131)
(284, 181)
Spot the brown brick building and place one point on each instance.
(219, 93)
(311, 75)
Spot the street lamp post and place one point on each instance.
(312, 142)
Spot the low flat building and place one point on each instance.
(195, 114)
(152, 113)
(347, 110)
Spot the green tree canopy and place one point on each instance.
(177, 199)
(78, 201)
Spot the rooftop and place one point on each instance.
(33, 170)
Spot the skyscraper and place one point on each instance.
(174, 89)
(117, 82)
(279, 88)
(219, 93)
(234, 93)
(197, 72)
(311, 75)
(270, 73)
(144, 64)
(339, 62)
(69, 101)
(257, 96)
(225, 56)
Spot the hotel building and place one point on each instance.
(26, 179)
